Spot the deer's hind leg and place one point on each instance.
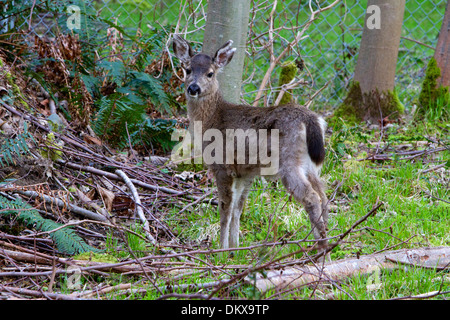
(317, 185)
(297, 183)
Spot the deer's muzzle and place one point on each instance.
(194, 90)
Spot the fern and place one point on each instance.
(66, 240)
(147, 86)
(116, 114)
(12, 149)
(122, 120)
(157, 130)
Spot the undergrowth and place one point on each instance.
(111, 77)
(66, 240)
(12, 149)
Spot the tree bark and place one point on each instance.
(228, 19)
(442, 53)
(378, 53)
(372, 96)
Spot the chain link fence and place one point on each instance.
(329, 51)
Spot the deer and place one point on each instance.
(300, 148)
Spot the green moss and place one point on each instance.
(96, 257)
(185, 162)
(359, 106)
(191, 167)
(432, 96)
(54, 150)
(287, 74)
(347, 110)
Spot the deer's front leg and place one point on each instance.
(239, 191)
(224, 184)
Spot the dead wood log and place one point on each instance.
(437, 258)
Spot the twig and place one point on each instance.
(433, 168)
(92, 293)
(287, 87)
(138, 206)
(196, 201)
(308, 104)
(136, 182)
(62, 204)
(360, 220)
(89, 202)
(275, 60)
(38, 294)
(429, 194)
(113, 176)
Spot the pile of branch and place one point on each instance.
(81, 161)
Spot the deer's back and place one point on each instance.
(300, 131)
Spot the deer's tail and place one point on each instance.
(315, 132)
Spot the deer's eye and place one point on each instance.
(209, 75)
(188, 71)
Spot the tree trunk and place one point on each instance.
(372, 95)
(377, 60)
(442, 53)
(228, 19)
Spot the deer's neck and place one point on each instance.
(205, 108)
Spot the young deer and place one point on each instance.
(300, 148)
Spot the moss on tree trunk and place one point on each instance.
(287, 75)
(432, 95)
(373, 106)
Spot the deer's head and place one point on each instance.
(201, 69)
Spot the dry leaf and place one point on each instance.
(91, 140)
(107, 196)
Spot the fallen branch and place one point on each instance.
(84, 265)
(73, 208)
(138, 206)
(293, 277)
(38, 294)
(93, 293)
(136, 182)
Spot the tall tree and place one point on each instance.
(442, 53)
(228, 19)
(372, 93)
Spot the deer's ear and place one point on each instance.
(182, 49)
(224, 55)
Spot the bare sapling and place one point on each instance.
(240, 142)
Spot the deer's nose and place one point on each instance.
(194, 89)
